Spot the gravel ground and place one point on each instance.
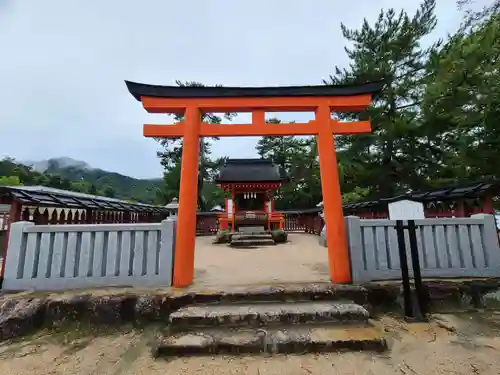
(301, 259)
(452, 344)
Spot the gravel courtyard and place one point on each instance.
(301, 259)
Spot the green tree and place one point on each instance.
(10, 181)
(297, 156)
(462, 99)
(396, 154)
(108, 191)
(80, 186)
(93, 189)
(172, 151)
(357, 195)
(81, 180)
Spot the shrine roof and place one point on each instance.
(251, 171)
(47, 196)
(471, 190)
(141, 89)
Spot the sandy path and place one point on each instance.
(460, 345)
(301, 259)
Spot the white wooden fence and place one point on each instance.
(465, 247)
(55, 257)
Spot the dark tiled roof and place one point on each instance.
(47, 196)
(140, 89)
(250, 170)
(472, 190)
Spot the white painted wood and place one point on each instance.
(406, 210)
(229, 208)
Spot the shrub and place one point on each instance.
(279, 235)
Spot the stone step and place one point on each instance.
(266, 314)
(252, 236)
(287, 340)
(251, 242)
(276, 293)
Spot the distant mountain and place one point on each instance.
(123, 187)
(62, 162)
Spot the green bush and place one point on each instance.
(279, 235)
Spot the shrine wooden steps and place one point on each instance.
(254, 327)
(248, 239)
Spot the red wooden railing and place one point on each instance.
(40, 215)
(207, 223)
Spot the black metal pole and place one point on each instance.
(403, 261)
(417, 275)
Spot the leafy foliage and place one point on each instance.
(390, 50)
(170, 158)
(94, 181)
(298, 157)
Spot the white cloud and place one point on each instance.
(63, 64)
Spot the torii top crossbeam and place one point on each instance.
(194, 101)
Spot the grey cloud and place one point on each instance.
(63, 63)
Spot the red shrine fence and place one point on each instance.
(306, 221)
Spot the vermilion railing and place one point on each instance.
(208, 222)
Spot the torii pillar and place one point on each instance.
(194, 101)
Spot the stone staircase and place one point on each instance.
(252, 239)
(251, 326)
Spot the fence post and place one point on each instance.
(15, 252)
(403, 261)
(417, 275)
(167, 249)
(355, 246)
(490, 238)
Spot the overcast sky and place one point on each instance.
(63, 63)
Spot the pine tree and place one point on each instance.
(172, 152)
(396, 154)
(462, 100)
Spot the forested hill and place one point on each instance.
(63, 173)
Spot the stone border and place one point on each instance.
(441, 295)
(21, 315)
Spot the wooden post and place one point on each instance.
(14, 215)
(460, 208)
(338, 253)
(186, 221)
(487, 205)
(233, 208)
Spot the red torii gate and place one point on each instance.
(192, 102)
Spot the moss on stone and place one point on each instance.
(223, 236)
(279, 235)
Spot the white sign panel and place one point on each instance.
(229, 208)
(406, 210)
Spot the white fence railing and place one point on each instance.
(465, 247)
(54, 257)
